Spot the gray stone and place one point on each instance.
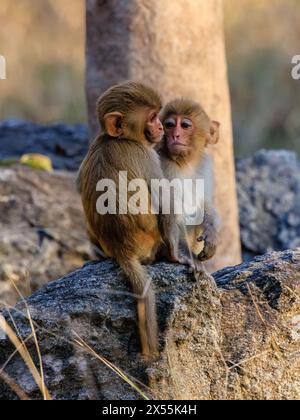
(269, 201)
(65, 145)
(239, 340)
(42, 230)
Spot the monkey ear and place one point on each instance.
(214, 133)
(113, 124)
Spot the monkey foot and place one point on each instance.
(195, 266)
(199, 267)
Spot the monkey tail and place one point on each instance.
(146, 306)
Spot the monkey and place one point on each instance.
(188, 130)
(128, 114)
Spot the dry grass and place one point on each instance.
(44, 391)
(292, 292)
(79, 342)
(110, 365)
(24, 353)
(22, 349)
(258, 311)
(15, 387)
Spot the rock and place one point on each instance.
(238, 341)
(269, 201)
(42, 230)
(65, 145)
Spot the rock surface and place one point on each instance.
(269, 201)
(66, 145)
(240, 340)
(42, 230)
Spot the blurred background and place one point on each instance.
(43, 42)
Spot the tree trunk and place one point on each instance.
(178, 48)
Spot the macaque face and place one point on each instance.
(154, 128)
(179, 131)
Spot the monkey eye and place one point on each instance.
(186, 124)
(170, 124)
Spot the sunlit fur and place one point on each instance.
(127, 238)
(134, 100)
(194, 163)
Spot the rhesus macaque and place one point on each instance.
(188, 130)
(129, 118)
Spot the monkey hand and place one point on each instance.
(210, 239)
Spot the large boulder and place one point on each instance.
(42, 230)
(237, 340)
(269, 201)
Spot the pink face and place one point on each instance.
(154, 127)
(178, 130)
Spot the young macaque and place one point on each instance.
(188, 130)
(129, 118)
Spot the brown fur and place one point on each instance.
(129, 239)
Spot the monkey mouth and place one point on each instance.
(178, 149)
(177, 144)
